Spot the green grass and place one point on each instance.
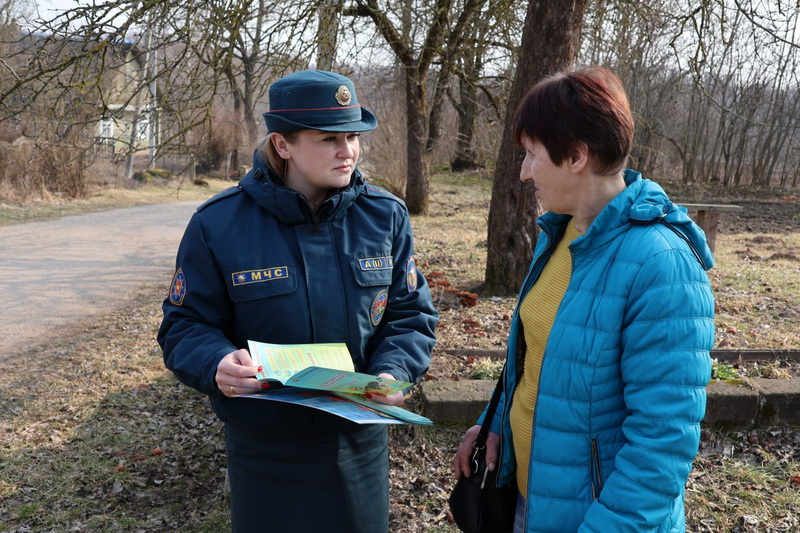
(723, 370)
(486, 368)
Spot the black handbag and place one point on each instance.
(477, 504)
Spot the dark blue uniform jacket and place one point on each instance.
(255, 264)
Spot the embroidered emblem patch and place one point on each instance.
(376, 263)
(257, 276)
(343, 95)
(378, 307)
(411, 274)
(177, 289)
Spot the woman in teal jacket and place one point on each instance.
(608, 353)
(301, 251)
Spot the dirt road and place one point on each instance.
(57, 272)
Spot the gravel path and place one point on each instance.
(56, 272)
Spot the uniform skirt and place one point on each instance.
(312, 472)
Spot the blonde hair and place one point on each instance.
(270, 155)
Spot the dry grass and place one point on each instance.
(757, 286)
(109, 197)
(95, 436)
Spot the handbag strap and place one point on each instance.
(483, 434)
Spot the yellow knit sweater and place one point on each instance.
(537, 312)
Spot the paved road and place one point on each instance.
(56, 272)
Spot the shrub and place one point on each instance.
(30, 170)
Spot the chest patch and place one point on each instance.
(411, 274)
(378, 307)
(260, 275)
(376, 263)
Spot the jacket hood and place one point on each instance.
(642, 202)
(290, 206)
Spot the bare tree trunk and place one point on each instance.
(134, 144)
(471, 67)
(417, 171)
(435, 120)
(465, 158)
(241, 112)
(327, 33)
(550, 41)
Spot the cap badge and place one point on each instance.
(343, 95)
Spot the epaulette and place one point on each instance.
(230, 191)
(379, 192)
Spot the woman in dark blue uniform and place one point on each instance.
(302, 250)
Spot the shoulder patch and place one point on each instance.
(177, 289)
(230, 191)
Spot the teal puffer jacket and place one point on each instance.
(622, 387)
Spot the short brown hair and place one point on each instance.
(587, 105)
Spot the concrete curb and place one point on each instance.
(736, 403)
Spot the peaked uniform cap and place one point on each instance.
(316, 100)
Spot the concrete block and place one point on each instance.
(731, 404)
(455, 402)
(780, 401)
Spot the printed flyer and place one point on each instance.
(356, 409)
(327, 367)
(322, 376)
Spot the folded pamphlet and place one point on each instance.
(324, 378)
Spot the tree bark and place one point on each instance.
(328, 33)
(437, 109)
(550, 40)
(417, 184)
(467, 109)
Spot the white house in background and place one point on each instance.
(104, 90)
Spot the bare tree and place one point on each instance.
(198, 58)
(491, 37)
(416, 53)
(709, 85)
(550, 40)
(11, 11)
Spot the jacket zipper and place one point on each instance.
(547, 252)
(315, 218)
(685, 239)
(597, 473)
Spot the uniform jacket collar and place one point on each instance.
(288, 205)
